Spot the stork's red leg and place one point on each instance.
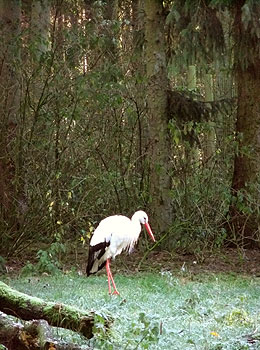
(114, 285)
(109, 274)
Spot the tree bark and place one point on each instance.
(26, 307)
(36, 335)
(157, 101)
(244, 222)
(210, 136)
(110, 15)
(10, 12)
(40, 26)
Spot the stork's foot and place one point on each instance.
(115, 292)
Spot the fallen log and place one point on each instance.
(36, 335)
(27, 308)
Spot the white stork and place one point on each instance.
(114, 234)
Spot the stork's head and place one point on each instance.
(142, 217)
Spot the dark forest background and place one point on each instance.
(112, 106)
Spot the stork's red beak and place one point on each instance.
(148, 229)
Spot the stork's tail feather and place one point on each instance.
(95, 261)
(90, 260)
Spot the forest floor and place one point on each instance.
(246, 261)
(158, 310)
(167, 301)
(230, 260)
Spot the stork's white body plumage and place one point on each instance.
(113, 235)
(120, 232)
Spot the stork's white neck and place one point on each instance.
(137, 224)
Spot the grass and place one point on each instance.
(161, 310)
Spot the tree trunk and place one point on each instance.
(157, 101)
(26, 307)
(111, 36)
(244, 222)
(192, 78)
(36, 335)
(210, 136)
(138, 72)
(40, 26)
(10, 12)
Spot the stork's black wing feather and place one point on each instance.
(95, 253)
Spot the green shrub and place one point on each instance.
(49, 260)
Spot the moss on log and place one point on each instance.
(27, 307)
